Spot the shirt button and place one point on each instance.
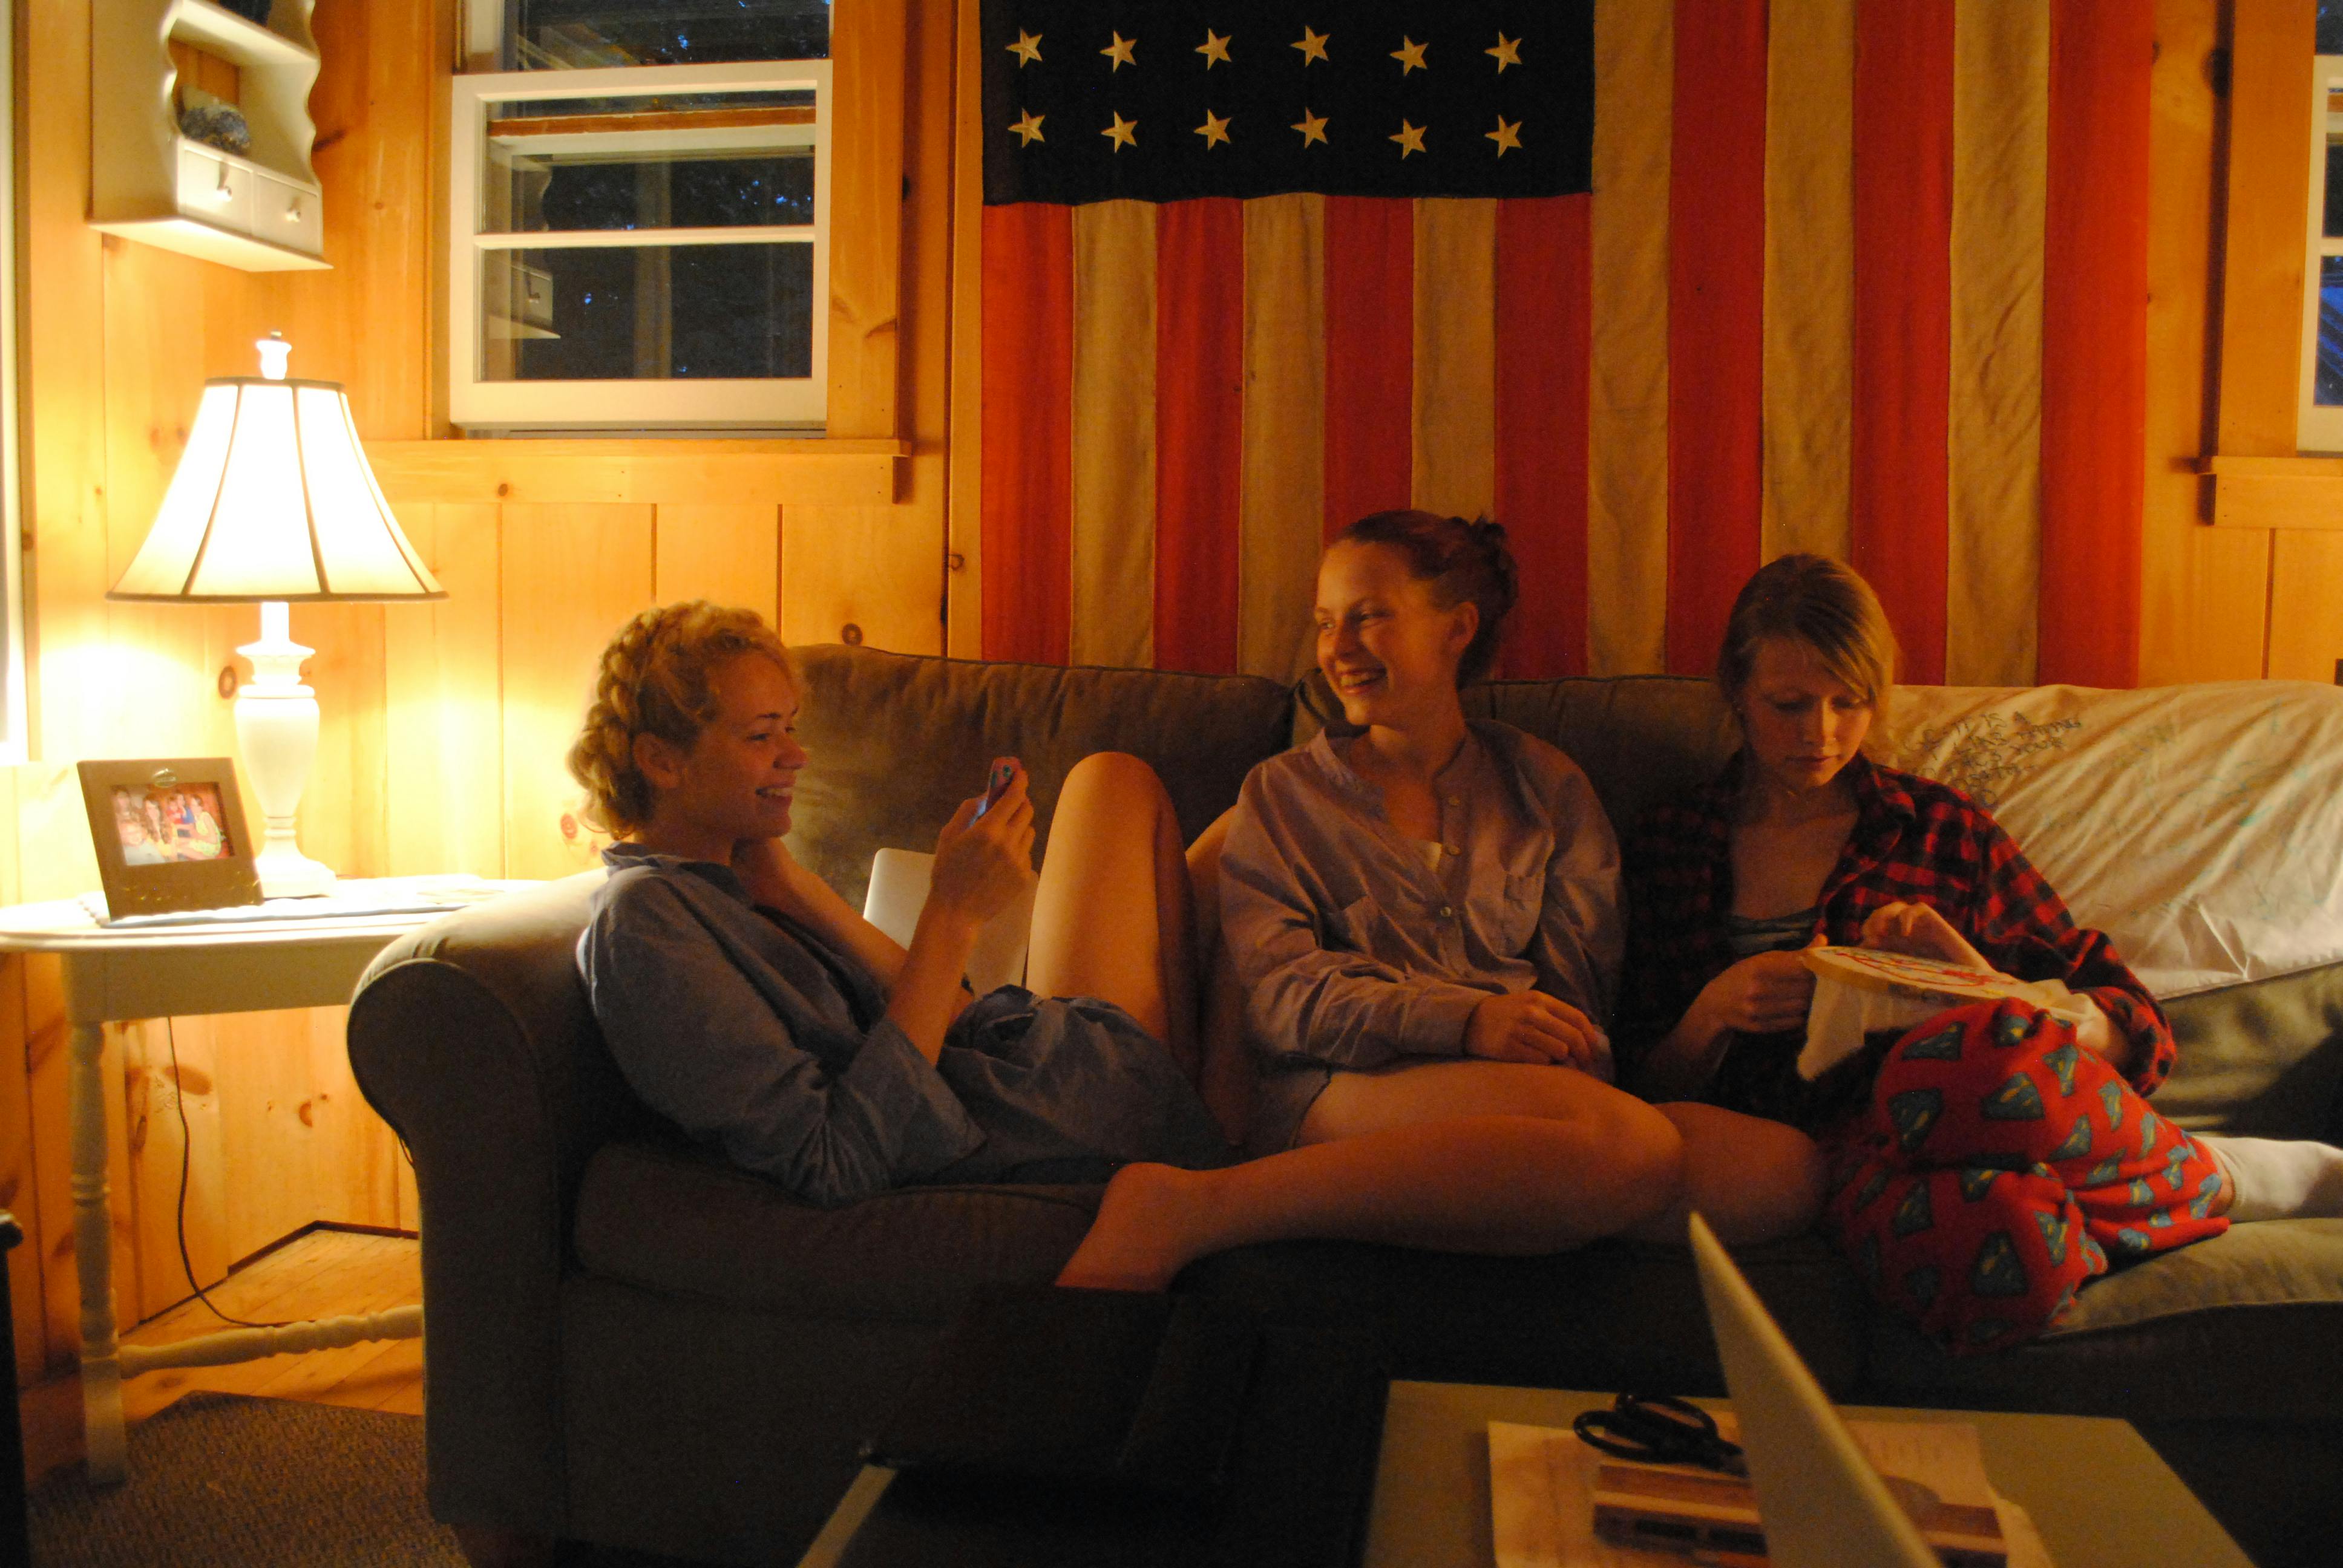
(1446, 910)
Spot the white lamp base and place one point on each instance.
(287, 873)
(277, 731)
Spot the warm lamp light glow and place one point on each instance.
(273, 501)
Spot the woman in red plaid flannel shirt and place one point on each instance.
(1990, 1161)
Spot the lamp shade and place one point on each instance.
(274, 500)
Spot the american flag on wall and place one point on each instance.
(1668, 287)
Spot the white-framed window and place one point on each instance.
(637, 246)
(2319, 424)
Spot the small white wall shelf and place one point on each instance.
(262, 212)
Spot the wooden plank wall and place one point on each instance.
(2204, 591)
(2261, 592)
(444, 724)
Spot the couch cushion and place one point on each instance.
(2199, 825)
(2248, 1323)
(2264, 1059)
(1613, 1315)
(672, 1217)
(2273, 1263)
(898, 742)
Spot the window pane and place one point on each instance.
(600, 191)
(2333, 227)
(2335, 191)
(647, 313)
(668, 115)
(692, 161)
(555, 34)
(2330, 27)
(2326, 389)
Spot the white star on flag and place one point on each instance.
(1508, 52)
(1123, 133)
(1410, 138)
(1312, 128)
(1030, 127)
(1410, 55)
(1214, 130)
(1120, 52)
(1214, 49)
(1313, 47)
(1507, 137)
(1028, 48)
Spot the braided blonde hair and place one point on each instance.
(654, 681)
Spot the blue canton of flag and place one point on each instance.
(1086, 101)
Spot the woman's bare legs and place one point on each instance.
(1465, 1156)
(1111, 914)
(1751, 1180)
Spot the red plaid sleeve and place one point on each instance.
(1920, 841)
(2023, 926)
(1674, 939)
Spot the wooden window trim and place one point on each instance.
(869, 51)
(2258, 479)
(592, 470)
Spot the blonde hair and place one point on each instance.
(654, 681)
(1823, 605)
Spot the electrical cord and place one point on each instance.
(180, 1102)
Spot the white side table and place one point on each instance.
(113, 975)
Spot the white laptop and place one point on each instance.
(1824, 1505)
(899, 889)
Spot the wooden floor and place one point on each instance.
(323, 1273)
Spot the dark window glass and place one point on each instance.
(591, 191)
(636, 312)
(782, 99)
(2327, 389)
(2330, 26)
(590, 33)
(2333, 227)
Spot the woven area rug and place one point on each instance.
(219, 1478)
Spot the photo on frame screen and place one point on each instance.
(158, 825)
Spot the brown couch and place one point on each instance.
(628, 1341)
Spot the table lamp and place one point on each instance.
(273, 501)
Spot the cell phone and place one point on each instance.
(1003, 772)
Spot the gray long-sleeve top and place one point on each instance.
(749, 1031)
(1355, 949)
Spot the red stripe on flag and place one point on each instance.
(2095, 340)
(1904, 317)
(1199, 431)
(1026, 512)
(1370, 357)
(1716, 315)
(1543, 312)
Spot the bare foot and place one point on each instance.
(1139, 1238)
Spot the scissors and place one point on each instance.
(1659, 1430)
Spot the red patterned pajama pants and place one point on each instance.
(2001, 1166)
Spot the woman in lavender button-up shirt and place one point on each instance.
(1425, 916)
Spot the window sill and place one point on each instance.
(2276, 492)
(583, 470)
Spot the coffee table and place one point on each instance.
(2098, 1495)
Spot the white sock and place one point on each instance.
(2280, 1179)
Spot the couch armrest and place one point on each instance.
(473, 1039)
